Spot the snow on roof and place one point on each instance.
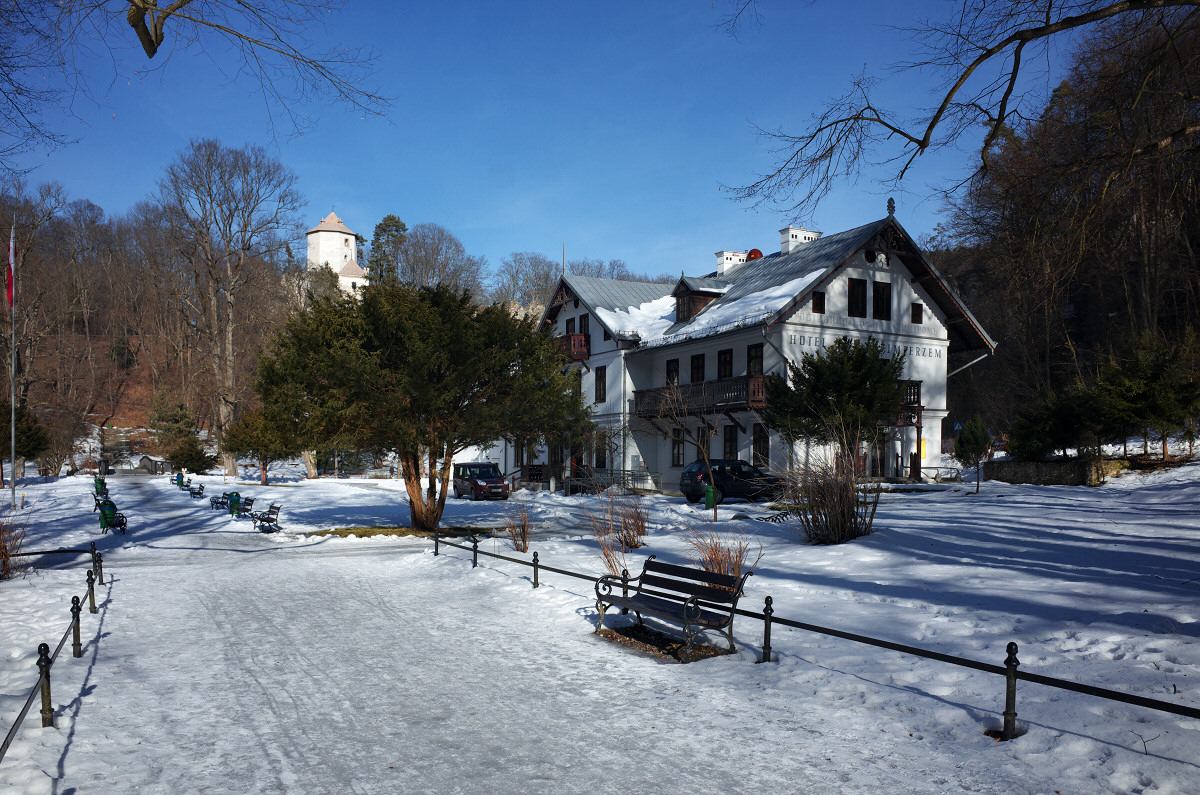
(746, 310)
(647, 320)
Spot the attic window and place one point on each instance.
(818, 302)
(918, 314)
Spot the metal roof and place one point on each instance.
(614, 294)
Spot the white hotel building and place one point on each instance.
(717, 335)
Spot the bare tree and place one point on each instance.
(430, 255)
(678, 412)
(524, 281)
(982, 53)
(265, 39)
(230, 213)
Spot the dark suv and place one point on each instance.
(731, 478)
(480, 481)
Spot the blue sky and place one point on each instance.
(523, 126)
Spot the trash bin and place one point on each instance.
(235, 503)
(101, 487)
(710, 500)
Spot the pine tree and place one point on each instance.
(383, 263)
(259, 435)
(973, 444)
(845, 394)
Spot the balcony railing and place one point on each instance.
(710, 397)
(577, 346)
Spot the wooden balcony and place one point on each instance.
(576, 346)
(710, 397)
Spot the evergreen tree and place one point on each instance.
(389, 237)
(424, 373)
(973, 444)
(845, 394)
(32, 438)
(171, 419)
(258, 434)
(187, 453)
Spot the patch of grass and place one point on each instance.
(368, 532)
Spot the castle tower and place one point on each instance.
(332, 243)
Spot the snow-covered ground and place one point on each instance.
(223, 660)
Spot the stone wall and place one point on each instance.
(1071, 472)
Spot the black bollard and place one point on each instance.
(535, 570)
(44, 662)
(768, 611)
(435, 543)
(474, 551)
(91, 581)
(76, 646)
(1010, 693)
(624, 589)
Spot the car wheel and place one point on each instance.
(692, 500)
(457, 493)
(475, 495)
(718, 496)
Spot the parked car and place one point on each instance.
(480, 482)
(730, 478)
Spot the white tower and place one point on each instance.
(332, 243)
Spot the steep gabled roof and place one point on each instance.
(759, 290)
(352, 270)
(613, 301)
(765, 290)
(330, 223)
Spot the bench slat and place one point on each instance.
(705, 592)
(688, 573)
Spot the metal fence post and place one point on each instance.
(768, 611)
(44, 662)
(1010, 693)
(91, 581)
(474, 551)
(76, 646)
(535, 570)
(97, 564)
(435, 543)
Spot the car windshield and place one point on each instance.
(483, 471)
(747, 471)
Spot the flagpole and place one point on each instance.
(12, 348)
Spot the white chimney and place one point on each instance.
(728, 260)
(792, 237)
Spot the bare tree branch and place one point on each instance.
(854, 131)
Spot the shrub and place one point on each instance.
(189, 454)
(631, 513)
(606, 524)
(833, 510)
(12, 538)
(516, 522)
(723, 552)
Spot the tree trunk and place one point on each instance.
(310, 464)
(262, 471)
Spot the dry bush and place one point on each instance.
(632, 514)
(12, 538)
(516, 522)
(723, 552)
(606, 524)
(832, 508)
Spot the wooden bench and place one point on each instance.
(186, 485)
(698, 600)
(110, 519)
(245, 507)
(266, 521)
(197, 492)
(97, 498)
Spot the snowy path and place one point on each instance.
(228, 665)
(228, 661)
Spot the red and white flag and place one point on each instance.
(12, 264)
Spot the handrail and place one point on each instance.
(1009, 670)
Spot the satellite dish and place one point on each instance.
(753, 254)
